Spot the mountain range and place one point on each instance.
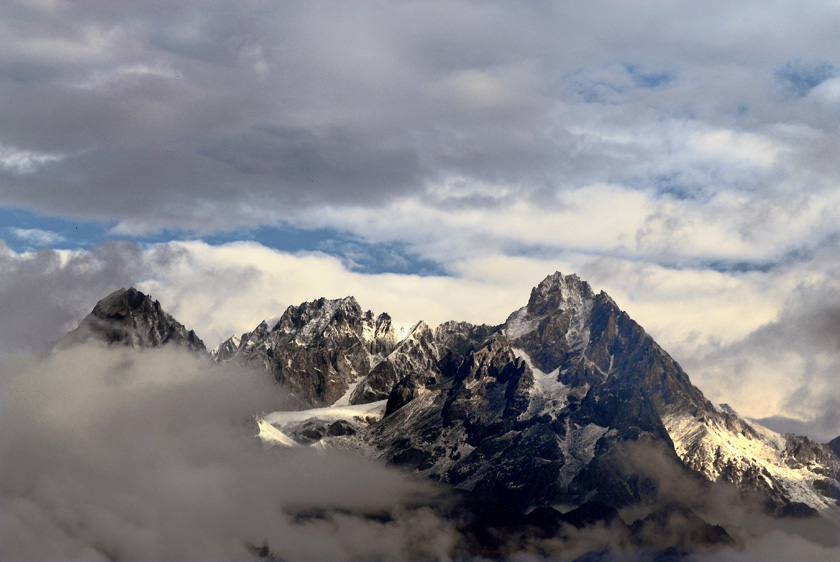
(568, 403)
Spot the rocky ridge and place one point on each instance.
(547, 407)
(552, 406)
(331, 352)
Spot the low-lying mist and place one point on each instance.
(111, 453)
(115, 454)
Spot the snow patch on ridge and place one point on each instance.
(548, 395)
(274, 427)
(518, 325)
(372, 411)
(405, 329)
(345, 399)
(272, 321)
(712, 445)
(319, 323)
(273, 437)
(578, 449)
(578, 334)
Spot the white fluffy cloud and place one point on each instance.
(37, 237)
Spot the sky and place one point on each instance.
(436, 160)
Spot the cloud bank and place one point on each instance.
(563, 127)
(112, 454)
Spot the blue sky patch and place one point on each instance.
(643, 79)
(25, 231)
(801, 77)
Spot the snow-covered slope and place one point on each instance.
(334, 426)
(791, 469)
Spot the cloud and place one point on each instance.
(802, 77)
(788, 366)
(248, 114)
(37, 237)
(115, 454)
(20, 162)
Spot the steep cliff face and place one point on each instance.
(130, 318)
(316, 349)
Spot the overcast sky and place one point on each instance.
(436, 160)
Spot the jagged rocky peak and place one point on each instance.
(131, 318)
(380, 334)
(310, 320)
(324, 351)
(558, 291)
(554, 327)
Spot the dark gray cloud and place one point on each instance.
(113, 454)
(228, 114)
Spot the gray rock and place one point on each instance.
(130, 318)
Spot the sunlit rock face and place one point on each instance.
(330, 351)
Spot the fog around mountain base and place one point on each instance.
(113, 454)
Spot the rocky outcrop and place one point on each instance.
(331, 352)
(130, 318)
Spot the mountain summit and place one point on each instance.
(130, 318)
